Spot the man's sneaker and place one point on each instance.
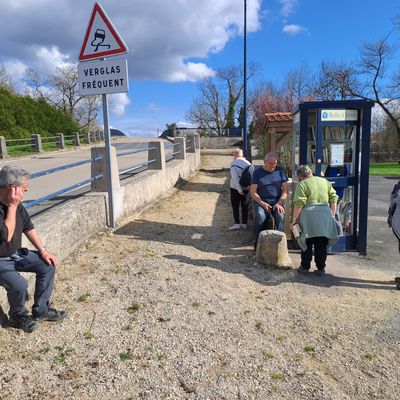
(234, 227)
(51, 315)
(303, 270)
(243, 226)
(320, 272)
(26, 323)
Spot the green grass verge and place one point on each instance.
(384, 169)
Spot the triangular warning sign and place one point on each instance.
(101, 39)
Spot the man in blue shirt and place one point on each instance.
(269, 189)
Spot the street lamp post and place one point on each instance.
(245, 149)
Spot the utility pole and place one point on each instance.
(246, 151)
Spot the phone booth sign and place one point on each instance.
(333, 139)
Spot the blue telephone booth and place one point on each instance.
(333, 139)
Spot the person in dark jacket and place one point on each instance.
(15, 221)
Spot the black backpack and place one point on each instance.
(245, 178)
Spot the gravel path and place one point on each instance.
(172, 306)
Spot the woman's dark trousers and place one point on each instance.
(238, 200)
(320, 253)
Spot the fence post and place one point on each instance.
(157, 153)
(86, 138)
(3, 147)
(180, 146)
(99, 167)
(37, 143)
(60, 142)
(75, 139)
(191, 145)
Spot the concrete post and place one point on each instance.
(37, 144)
(75, 139)
(60, 142)
(3, 147)
(191, 148)
(196, 137)
(179, 146)
(86, 138)
(92, 136)
(157, 153)
(99, 167)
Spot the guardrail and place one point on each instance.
(67, 189)
(158, 154)
(34, 144)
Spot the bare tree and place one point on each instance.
(297, 85)
(335, 81)
(217, 105)
(373, 81)
(62, 91)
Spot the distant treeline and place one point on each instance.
(22, 116)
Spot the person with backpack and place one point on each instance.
(269, 190)
(241, 172)
(394, 217)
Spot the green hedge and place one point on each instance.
(22, 116)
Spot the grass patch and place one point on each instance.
(278, 375)
(125, 356)
(134, 307)
(309, 349)
(88, 335)
(369, 356)
(83, 297)
(384, 169)
(196, 304)
(268, 356)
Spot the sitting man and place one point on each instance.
(14, 220)
(269, 189)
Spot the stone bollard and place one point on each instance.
(75, 139)
(179, 146)
(272, 250)
(3, 147)
(191, 146)
(157, 153)
(60, 142)
(99, 167)
(37, 144)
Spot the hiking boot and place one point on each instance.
(243, 226)
(51, 315)
(320, 272)
(26, 323)
(234, 227)
(303, 270)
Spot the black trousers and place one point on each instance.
(320, 253)
(238, 200)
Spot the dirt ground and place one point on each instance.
(173, 306)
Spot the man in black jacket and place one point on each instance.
(15, 221)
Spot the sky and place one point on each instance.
(173, 44)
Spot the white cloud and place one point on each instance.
(164, 37)
(118, 103)
(288, 7)
(293, 29)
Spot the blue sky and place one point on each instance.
(333, 30)
(175, 43)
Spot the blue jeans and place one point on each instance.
(16, 286)
(261, 220)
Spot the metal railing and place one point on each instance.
(137, 166)
(156, 152)
(67, 189)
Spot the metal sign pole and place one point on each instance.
(110, 183)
